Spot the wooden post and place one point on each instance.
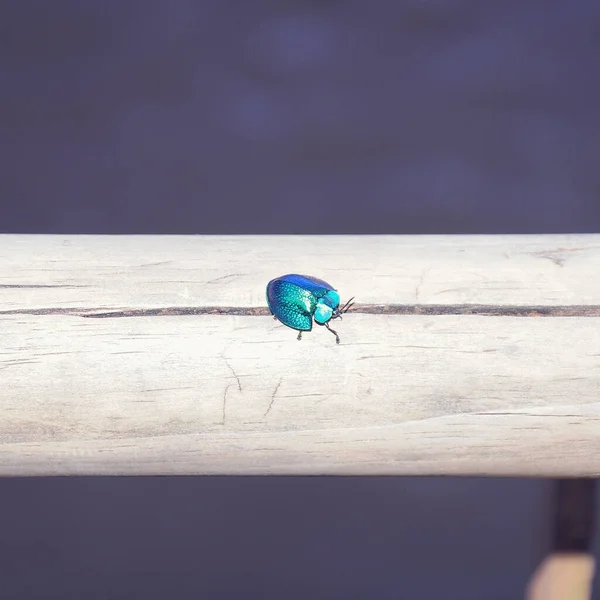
(568, 572)
(464, 355)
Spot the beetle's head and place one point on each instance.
(328, 307)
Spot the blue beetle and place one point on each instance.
(296, 300)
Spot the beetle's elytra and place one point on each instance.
(296, 300)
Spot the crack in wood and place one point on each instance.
(224, 403)
(225, 278)
(234, 374)
(272, 398)
(421, 280)
(526, 414)
(491, 310)
(20, 286)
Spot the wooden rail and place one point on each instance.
(157, 355)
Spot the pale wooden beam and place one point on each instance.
(115, 360)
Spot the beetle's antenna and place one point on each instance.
(340, 311)
(348, 305)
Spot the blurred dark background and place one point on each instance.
(297, 116)
(300, 116)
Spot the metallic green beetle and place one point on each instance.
(296, 300)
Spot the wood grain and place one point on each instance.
(178, 389)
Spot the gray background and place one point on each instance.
(305, 116)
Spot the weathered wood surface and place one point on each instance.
(172, 392)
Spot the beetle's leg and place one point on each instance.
(337, 337)
(299, 336)
(274, 317)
